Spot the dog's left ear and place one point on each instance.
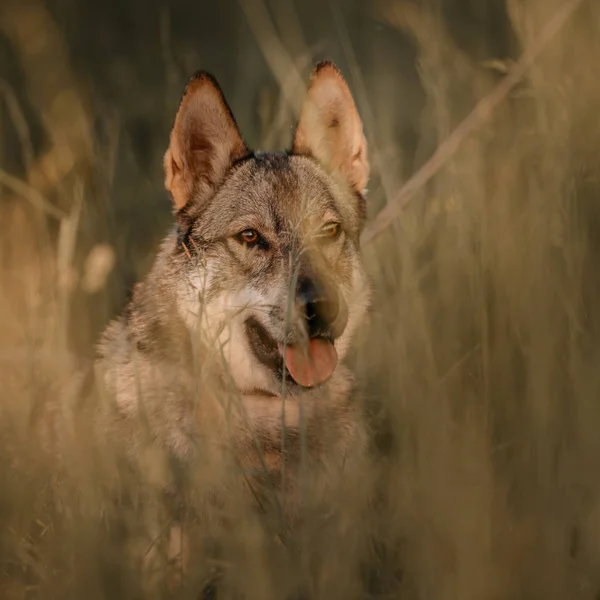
(204, 142)
(330, 128)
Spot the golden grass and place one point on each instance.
(479, 367)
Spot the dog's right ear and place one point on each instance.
(204, 142)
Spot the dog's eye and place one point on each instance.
(250, 237)
(330, 231)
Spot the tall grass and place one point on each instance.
(478, 369)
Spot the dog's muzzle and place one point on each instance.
(310, 358)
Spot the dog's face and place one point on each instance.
(273, 280)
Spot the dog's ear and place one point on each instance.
(330, 129)
(204, 142)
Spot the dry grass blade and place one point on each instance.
(275, 53)
(482, 111)
(19, 121)
(31, 194)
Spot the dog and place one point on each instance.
(236, 340)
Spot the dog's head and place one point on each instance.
(272, 276)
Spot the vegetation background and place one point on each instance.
(479, 369)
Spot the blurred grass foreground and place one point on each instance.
(479, 369)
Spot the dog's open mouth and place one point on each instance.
(307, 365)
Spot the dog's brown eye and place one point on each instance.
(250, 237)
(330, 231)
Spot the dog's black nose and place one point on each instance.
(320, 308)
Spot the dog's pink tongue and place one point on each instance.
(313, 364)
